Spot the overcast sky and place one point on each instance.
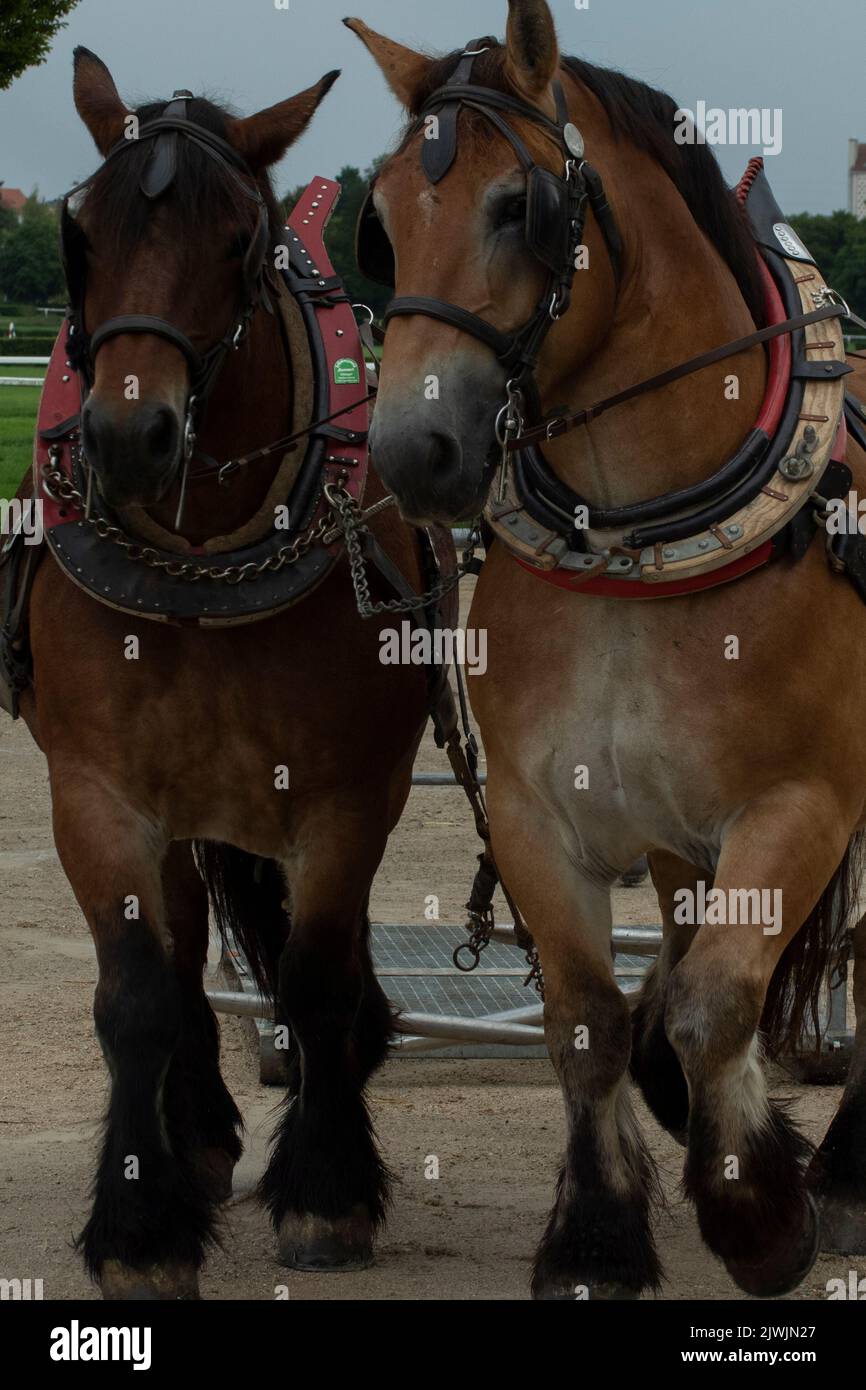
(802, 57)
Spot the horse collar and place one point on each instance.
(243, 585)
(753, 508)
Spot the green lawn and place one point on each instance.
(18, 407)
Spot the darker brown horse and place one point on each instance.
(187, 742)
(720, 730)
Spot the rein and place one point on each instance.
(835, 307)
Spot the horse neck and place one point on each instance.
(250, 406)
(678, 298)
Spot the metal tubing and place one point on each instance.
(440, 779)
(449, 1026)
(633, 941)
(456, 1029)
(414, 1044)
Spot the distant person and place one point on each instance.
(11, 333)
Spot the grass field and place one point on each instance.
(18, 407)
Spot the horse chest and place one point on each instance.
(608, 744)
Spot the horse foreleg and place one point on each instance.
(745, 1162)
(839, 1170)
(152, 1214)
(654, 1064)
(326, 1185)
(598, 1243)
(196, 1097)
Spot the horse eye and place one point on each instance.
(511, 210)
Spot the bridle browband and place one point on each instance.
(555, 217)
(158, 175)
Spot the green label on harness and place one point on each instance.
(346, 372)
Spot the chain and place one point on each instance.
(536, 975)
(482, 923)
(60, 488)
(351, 523)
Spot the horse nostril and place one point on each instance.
(161, 433)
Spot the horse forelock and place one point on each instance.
(201, 195)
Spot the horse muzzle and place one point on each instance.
(134, 456)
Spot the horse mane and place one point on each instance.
(202, 192)
(645, 116)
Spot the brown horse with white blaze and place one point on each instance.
(614, 728)
(185, 743)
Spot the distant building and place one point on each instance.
(857, 179)
(13, 199)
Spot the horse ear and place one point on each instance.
(262, 139)
(97, 100)
(403, 69)
(531, 47)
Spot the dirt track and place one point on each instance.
(496, 1126)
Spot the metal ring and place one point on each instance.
(189, 431)
(834, 297)
(512, 425)
(474, 953)
(366, 309)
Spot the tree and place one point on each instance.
(8, 220)
(31, 271)
(849, 273)
(838, 243)
(27, 28)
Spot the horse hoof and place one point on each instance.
(843, 1225)
(318, 1244)
(786, 1267)
(168, 1281)
(216, 1168)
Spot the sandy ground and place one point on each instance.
(495, 1126)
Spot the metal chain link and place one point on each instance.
(351, 523)
(59, 488)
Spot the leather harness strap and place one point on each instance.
(561, 424)
(156, 178)
(556, 213)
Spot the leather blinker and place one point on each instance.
(161, 166)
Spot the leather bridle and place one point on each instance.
(159, 173)
(555, 217)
